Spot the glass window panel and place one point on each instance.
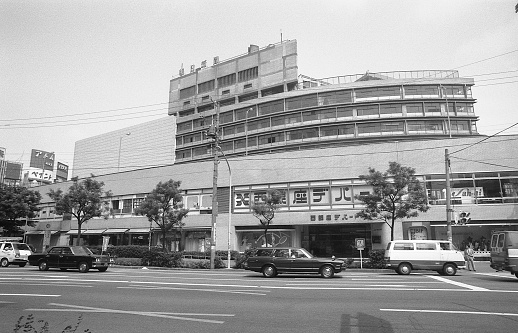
(510, 187)
(310, 115)
(432, 108)
(421, 91)
(488, 190)
(414, 108)
(344, 112)
(328, 114)
(369, 128)
(390, 109)
(368, 111)
(334, 97)
(329, 131)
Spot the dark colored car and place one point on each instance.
(70, 257)
(272, 261)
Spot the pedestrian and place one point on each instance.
(470, 253)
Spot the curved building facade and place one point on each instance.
(274, 109)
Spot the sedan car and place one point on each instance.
(70, 257)
(271, 261)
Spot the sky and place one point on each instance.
(70, 70)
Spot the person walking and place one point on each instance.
(470, 254)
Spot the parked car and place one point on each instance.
(14, 253)
(70, 257)
(442, 256)
(504, 251)
(272, 261)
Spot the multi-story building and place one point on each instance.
(312, 138)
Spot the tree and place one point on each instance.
(17, 203)
(265, 208)
(164, 207)
(84, 200)
(397, 194)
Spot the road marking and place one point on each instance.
(454, 312)
(53, 284)
(169, 315)
(512, 277)
(31, 295)
(193, 289)
(460, 284)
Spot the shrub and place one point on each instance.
(204, 263)
(157, 257)
(377, 259)
(127, 251)
(128, 261)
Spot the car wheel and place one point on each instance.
(4, 262)
(327, 271)
(22, 264)
(449, 269)
(103, 269)
(269, 271)
(43, 266)
(404, 268)
(83, 267)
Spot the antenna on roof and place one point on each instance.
(281, 35)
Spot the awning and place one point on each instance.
(86, 232)
(40, 232)
(138, 231)
(115, 231)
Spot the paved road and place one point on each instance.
(139, 300)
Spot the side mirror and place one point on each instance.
(333, 257)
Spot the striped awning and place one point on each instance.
(87, 232)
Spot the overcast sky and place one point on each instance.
(70, 70)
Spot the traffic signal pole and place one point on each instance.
(448, 195)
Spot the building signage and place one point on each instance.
(62, 171)
(42, 160)
(39, 174)
(317, 197)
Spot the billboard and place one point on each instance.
(62, 171)
(41, 166)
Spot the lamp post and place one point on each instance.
(229, 205)
(120, 145)
(213, 133)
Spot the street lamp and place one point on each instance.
(229, 205)
(120, 145)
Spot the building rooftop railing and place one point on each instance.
(368, 76)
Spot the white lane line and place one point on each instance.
(31, 295)
(454, 312)
(459, 284)
(168, 315)
(192, 289)
(59, 284)
(512, 277)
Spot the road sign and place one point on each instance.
(360, 243)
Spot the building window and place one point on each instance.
(271, 107)
(247, 86)
(248, 97)
(225, 92)
(414, 109)
(227, 80)
(293, 135)
(301, 102)
(367, 129)
(391, 110)
(342, 112)
(335, 97)
(187, 92)
(205, 86)
(226, 117)
(227, 102)
(368, 111)
(246, 113)
(186, 113)
(310, 133)
(392, 127)
(432, 108)
(248, 74)
(421, 91)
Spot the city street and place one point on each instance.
(154, 300)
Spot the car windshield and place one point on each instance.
(302, 253)
(81, 250)
(21, 246)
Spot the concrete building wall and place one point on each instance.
(147, 145)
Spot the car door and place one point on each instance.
(52, 257)
(282, 260)
(300, 262)
(67, 259)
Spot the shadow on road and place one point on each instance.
(365, 323)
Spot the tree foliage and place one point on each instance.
(397, 194)
(264, 209)
(84, 200)
(17, 203)
(164, 207)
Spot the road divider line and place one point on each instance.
(31, 295)
(453, 312)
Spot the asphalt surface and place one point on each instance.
(173, 300)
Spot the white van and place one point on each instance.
(442, 256)
(14, 253)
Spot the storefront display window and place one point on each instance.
(274, 238)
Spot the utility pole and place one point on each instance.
(448, 195)
(214, 134)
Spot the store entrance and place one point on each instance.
(338, 240)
